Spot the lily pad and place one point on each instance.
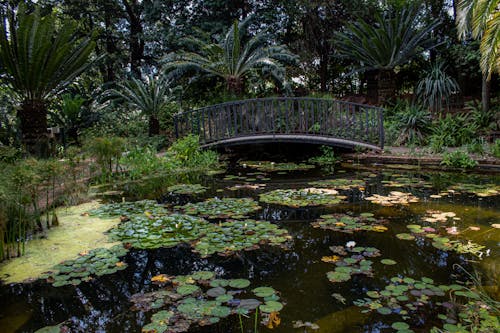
(239, 283)
(302, 198)
(271, 306)
(388, 262)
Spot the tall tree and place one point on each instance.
(482, 18)
(40, 62)
(150, 97)
(394, 39)
(234, 59)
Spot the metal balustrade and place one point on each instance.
(286, 119)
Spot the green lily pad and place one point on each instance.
(239, 283)
(187, 289)
(400, 325)
(271, 306)
(388, 262)
(264, 291)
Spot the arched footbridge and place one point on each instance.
(285, 119)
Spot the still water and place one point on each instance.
(298, 273)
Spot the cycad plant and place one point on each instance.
(150, 97)
(392, 40)
(39, 61)
(234, 59)
(436, 87)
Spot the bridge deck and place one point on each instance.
(289, 138)
(285, 119)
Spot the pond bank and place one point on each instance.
(416, 158)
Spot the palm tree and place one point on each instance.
(234, 58)
(39, 62)
(393, 39)
(482, 18)
(150, 97)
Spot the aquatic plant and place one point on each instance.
(481, 190)
(394, 198)
(203, 299)
(187, 189)
(348, 224)
(347, 266)
(216, 208)
(406, 296)
(233, 236)
(302, 198)
(129, 208)
(89, 264)
(268, 166)
(438, 235)
(410, 182)
(340, 184)
(150, 232)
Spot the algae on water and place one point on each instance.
(76, 233)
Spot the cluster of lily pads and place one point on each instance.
(234, 236)
(187, 189)
(439, 225)
(339, 183)
(151, 232)
(250, 177)
(96, 262)
(481, 190)
(441, 242)
(302, 197)
(128, 208)
(268, 166)
(350, 261)
(349, 224)
(406, 182)
(394, 198)
(216, 208)
(202, 299)
(405, 296)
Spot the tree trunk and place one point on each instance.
(154, 126)
(136, 42)
(33, 125)
(323, 73)
(371, 87)
(235, 85)
(386, 86)
(485, 93)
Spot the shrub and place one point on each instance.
(414, 121)
(453, 131)
(436, 87)
(107, 152)
(458, 159)
(495, 148)
(476, 147)
(186, 152)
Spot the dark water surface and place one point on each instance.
(102, 305)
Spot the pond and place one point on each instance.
(349, 250)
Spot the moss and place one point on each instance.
(76, 233)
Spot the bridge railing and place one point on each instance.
(284, 115)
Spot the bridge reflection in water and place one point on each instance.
(285, 119)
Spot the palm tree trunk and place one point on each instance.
(235, 85)
(33, 124)
(485, 93)
(371, 87)
(386, 86)
(154, 126)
